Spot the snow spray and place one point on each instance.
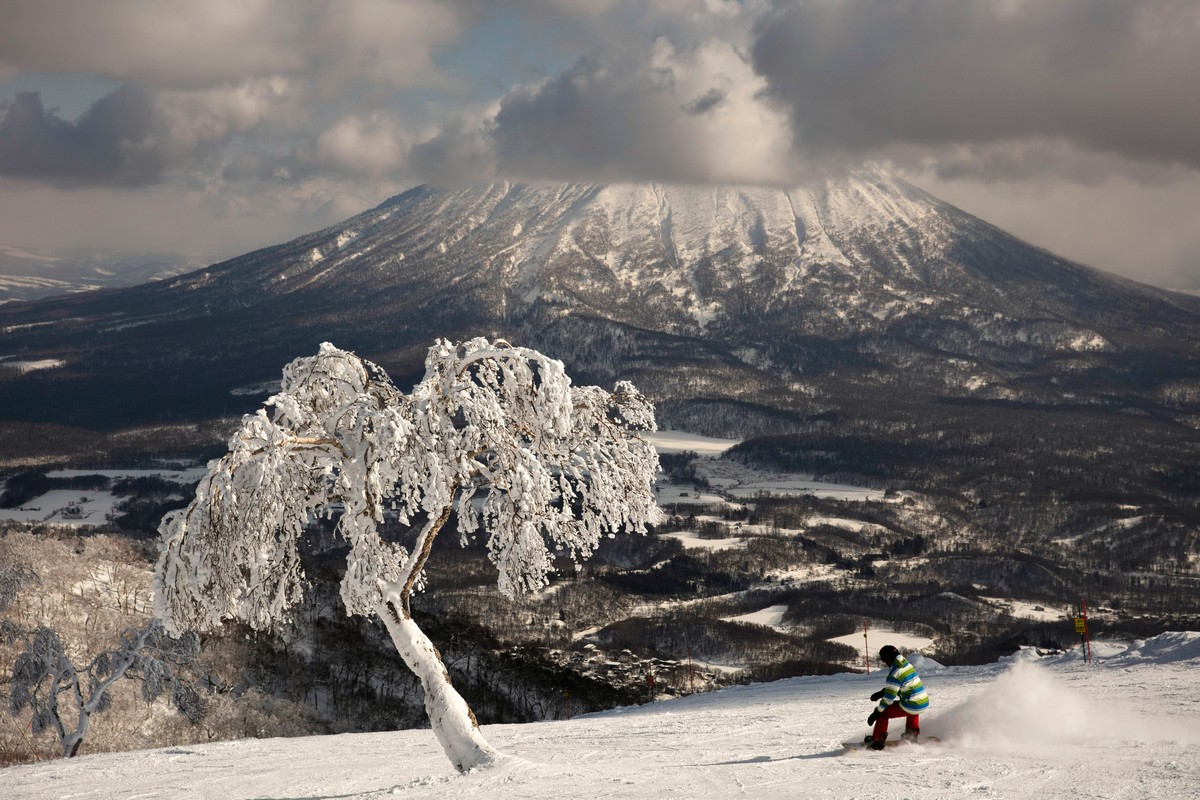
(1024, 708)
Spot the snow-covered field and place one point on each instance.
(738, 480)
(792, 485)
(174, 474)
(672, 496)
(732, 480)
(1048, 728)
(82, 508)
(771, 617)
(692, 541)
(30, 366)
(680, 441)
(1025, 610)
(877, 637)
(72, 507)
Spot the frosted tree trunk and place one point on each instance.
(73, 741)
(453, 722)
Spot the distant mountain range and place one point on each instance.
(32, 276)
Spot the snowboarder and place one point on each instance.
(902, 696)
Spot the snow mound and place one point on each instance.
(924, 664)
(1166, 648)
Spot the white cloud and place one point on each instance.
(268, 88)
(193, 118)
(383, 41)
(375, 145)
(741, 138)
(670, 108)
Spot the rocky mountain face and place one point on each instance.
(742, 310)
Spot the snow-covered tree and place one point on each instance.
(13, 578)
(494, 433)
(64, 697)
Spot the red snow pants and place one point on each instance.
(912, 722)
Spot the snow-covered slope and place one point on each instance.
(1051, 728)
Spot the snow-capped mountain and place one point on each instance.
(744, 296)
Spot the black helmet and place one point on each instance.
(887, 654)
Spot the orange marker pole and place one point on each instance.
(1087, 636)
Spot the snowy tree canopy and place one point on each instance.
(493, 432)
(12, 578)
(497, 433)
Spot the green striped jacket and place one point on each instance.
(904, 685)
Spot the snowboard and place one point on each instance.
(890, 743)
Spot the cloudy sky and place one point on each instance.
(212, 127)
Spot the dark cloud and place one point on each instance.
(457, 156)
(659, 117)
(596, 120)
(1033, 160)
(1106, 75)
(130, 137)
(1143, 229)
(221, 90)
(706, 102)
(113, 143)
(257, 166)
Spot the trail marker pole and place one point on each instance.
(866, 649)
(691, 674)
(1081, 627)
(1087, 636)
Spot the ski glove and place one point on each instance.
(874, 716)
(875, 697)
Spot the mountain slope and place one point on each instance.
(729, 295)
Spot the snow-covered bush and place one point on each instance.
(82, 664)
